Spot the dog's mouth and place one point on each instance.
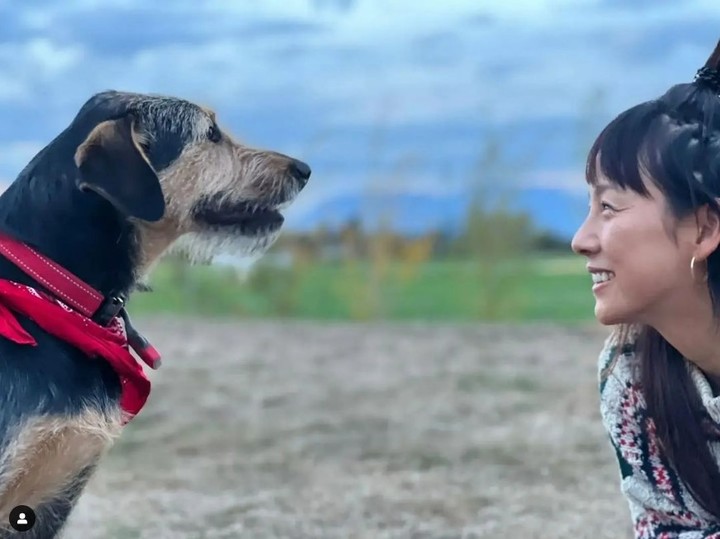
(223, 225)
(250, 217)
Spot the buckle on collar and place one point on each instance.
(109, 309)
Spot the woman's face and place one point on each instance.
(639, 271)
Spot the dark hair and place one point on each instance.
(674, 141)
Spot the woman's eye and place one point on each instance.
(214, 133)
(606, 206)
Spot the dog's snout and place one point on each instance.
(300, 171)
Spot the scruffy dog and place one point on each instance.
(132, 176)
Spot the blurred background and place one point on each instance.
(415, 357)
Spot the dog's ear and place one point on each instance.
(113, 164)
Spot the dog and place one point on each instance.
(132, 177)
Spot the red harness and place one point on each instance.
(79, 315)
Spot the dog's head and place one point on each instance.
(166, 164)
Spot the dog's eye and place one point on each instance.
(214, 133)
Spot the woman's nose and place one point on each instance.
(585, 241)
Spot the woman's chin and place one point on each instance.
(608, 316)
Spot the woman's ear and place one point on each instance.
(708, 230)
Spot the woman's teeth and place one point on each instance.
(602, 276)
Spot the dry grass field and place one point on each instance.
(354, 431)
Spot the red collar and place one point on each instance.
(92, 322)
(61, 283)
(77, 294)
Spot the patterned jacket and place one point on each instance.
(660, 506)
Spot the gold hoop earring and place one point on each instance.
(692, 270)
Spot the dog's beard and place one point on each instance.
(200, 247)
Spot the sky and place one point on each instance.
(418, 95)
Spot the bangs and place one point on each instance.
(617, 155)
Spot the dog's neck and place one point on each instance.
(80, 231)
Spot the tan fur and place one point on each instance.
(206, 168)
(48, 453)
(203, 169)
(210, 112)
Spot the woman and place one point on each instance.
(651, 241)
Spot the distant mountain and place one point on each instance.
(554, 210)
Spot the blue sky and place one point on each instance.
(374, 94)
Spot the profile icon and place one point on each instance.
(22, 518)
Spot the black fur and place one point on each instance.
(173, 129)
(87, 235)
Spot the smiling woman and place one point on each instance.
(651, 241)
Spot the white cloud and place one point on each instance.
(533, 58)
(36, 63)
(570, 179)
(52, 60)
(401, 62)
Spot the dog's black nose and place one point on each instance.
(300, 171)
